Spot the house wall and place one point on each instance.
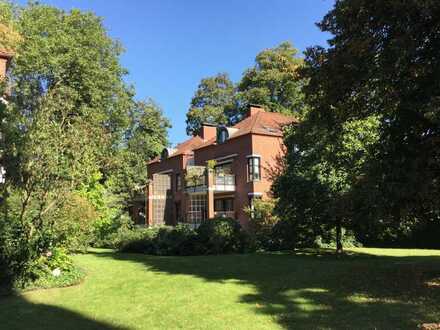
(271, 150)
(241, 146)
(175, 165)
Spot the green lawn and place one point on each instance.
(369, 289)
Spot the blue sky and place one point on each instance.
(171, 44)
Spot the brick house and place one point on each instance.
(217, 173)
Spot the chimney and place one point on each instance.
(4, 62)
(254, 109)
(208, 131)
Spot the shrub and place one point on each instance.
(221, 235)
(179, 240)
(263, 219)
(328, 240)
(54, 268)
(74, 223)
(287, 235)
(51, 260)
(139, 240)
(212, 237)
(112, 233)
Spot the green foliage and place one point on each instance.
(179, 240)
(262, 219)
(145, 138)
(382, 62)
(54, 268)
(137, 241)
(48, 281)
(51, 260)
(288, 234)
(328, 240)
(74, 225)
(215, 236)
(222, 235)
(69, 131)
(107, 234)
(274, 81)
(322, 169)
(213, 102)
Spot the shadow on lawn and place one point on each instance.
(16, 313)
(315, 291)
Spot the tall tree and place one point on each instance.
(382, 62)
(65, 118)
(212, 102)
(145, 138)
(385, 58)
(274, 81)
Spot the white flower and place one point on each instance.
(48, 253)
(56, 272)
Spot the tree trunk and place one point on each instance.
(339, 248)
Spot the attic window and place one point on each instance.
(165, 154)
(222, 134)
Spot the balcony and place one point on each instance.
(195, 187)
(195, 179)
(224, 182)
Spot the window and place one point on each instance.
(178, 182)
(254, 170)
(223, 175)
(223, 204)
(222, 134)
(164, 154)
(197, 209)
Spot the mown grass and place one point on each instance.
(365, 289)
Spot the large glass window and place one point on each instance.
(254, 169)
(197, 209)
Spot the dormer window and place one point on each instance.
(165, 154)
(222, 134)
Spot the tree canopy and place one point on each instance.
(71, 125)
(379, 77)
(273, 82)
(213, 102)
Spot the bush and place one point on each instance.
(111, 234)
(74, 223)
(179, 240)
(138, 240)
(263, 219)
(54, 268)
(328, 240)
(287, 235)
(212, 237)
(222, 235)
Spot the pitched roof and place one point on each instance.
(263, 123)
(185, 147)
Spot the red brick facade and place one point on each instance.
(245, 163)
